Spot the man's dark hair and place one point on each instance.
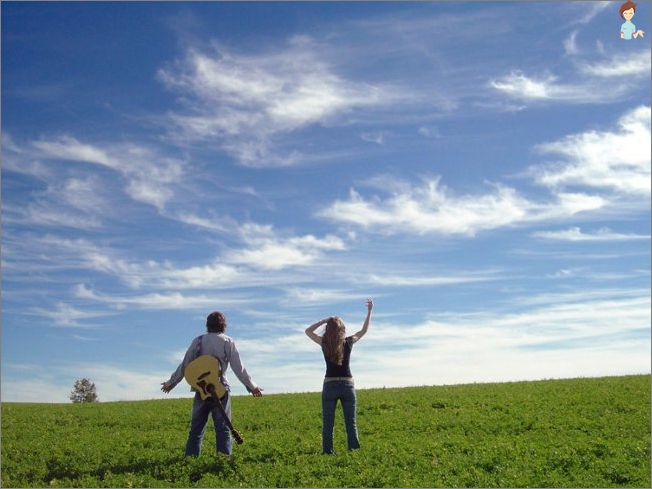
(215, 322)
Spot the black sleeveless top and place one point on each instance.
(334, 370)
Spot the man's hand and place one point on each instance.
(257, 392)
(165, 387)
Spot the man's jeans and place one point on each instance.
(344, 390)
(200, 411)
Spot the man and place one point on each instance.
(221, 346)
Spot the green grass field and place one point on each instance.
(553, 433)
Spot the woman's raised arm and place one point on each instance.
(365, 326)
(310, 331)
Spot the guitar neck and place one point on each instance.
(234, 433)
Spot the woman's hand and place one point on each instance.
(370, 305)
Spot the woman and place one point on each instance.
(338, 382)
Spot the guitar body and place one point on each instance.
(203, 373)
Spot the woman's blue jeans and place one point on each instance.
(200, 411)
(344, 391)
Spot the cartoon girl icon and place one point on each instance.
(627, 30)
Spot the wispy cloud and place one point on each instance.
(46, 210)
(432, 208)
(588, 81)
(518, 85)
(67, 316)
(548, 88)
(283, 176)
(245, 101)
(615, 160)
(573, 330)
(570, 44)
(628, 65)
(163, 300)
(546, 338)
(316, 295)
(576, 234)
(149, 175)
(257, 250)
(266, 251)
(417, 280)
(589, 11)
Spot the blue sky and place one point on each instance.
(482, 170)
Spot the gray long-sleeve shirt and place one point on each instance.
(223, 348)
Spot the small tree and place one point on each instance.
(84, 391)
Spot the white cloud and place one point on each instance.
(517, 85)
(624, 65)
(213, 224)
(576, 234)
(69, 149)
(78, 202)
(260, 249)
(552, 340)
(429, 208)
(421, 281)
(244, 102)
(553, 336)
(212, 274)
(432, 208)
(308, 296)
(163, 301)
(43, 212)
(570, 44)
(67, 316)
(617, 160)
(311, 100)
(149, 175)
(590, 11)
(377, 137)
(548, 88)
(114, 383)
(40, 391)
(268, 251)
(429, 132)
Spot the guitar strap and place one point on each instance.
(198, 353)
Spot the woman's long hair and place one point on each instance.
(333, 340)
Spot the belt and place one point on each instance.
(333, 379)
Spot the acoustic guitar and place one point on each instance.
(203, 373)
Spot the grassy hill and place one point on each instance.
(552, 433)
